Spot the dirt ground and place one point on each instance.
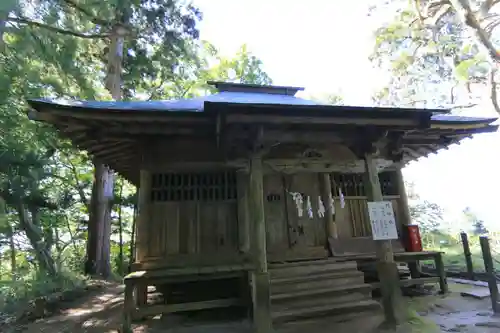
(100, 312)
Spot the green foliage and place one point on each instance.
(14, 294)
(426, 214)
(432, 62)
(60, 50)
(474, 222)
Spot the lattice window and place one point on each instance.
(352, 184)
(207, 186)
(273, 197)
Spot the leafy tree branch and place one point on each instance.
(31, 23)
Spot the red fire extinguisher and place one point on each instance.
(413, 241)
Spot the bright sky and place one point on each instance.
(324, 47)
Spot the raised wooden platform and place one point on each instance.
(406, 257)
(302, 290)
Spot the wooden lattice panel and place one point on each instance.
(353, 219)
(352, 184)
(206, 186)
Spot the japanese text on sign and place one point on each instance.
(382, 220)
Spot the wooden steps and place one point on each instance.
(333, 310)
(303, 290)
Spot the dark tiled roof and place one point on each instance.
(237, 94)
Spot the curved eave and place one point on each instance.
(113, 135)
(418, 144)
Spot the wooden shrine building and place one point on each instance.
(256, 198)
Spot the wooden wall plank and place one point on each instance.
(343, 218)
(232, 225)
(221, 222)
(185, 213)
(208, 235)
(274, 208)
(193, 221)
(172, 227)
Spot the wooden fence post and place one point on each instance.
(467, 255)
(490, 273)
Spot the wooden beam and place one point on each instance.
(260, 277)
(273, 119)
(152, 310)
(288, 136)
(387, 269)
(60, 115)
(108, 151)
(152, 129)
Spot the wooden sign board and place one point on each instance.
(382, 220)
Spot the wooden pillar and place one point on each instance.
(403, 202)
(143, 217)
(142, 228)
(490, 273)
(260, 276)
(243, 217)
(405, 216)
(326, 187)
(386, 267)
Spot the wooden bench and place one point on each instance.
(350, 248)
(409, 257)
(136, 283)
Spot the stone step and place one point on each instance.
(308, 284)
(332, 293)
(335, 309)
(310, 268)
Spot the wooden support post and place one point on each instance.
(405, 217)
(326, 188)
(243, 217)
(443, 283)
(490, 272)
(467, 255)
(128, 307)
(260, 276)
(403, 202)
(143, 215)
(387, 269)
(142, 228)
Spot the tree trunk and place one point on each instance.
(99, 228)
(98, 249)
(13, 261)
(105, 246)
(92, 229)
(34, 234)
(58, 249)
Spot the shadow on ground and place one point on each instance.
(101, 312)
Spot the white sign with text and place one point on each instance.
(382, 220)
